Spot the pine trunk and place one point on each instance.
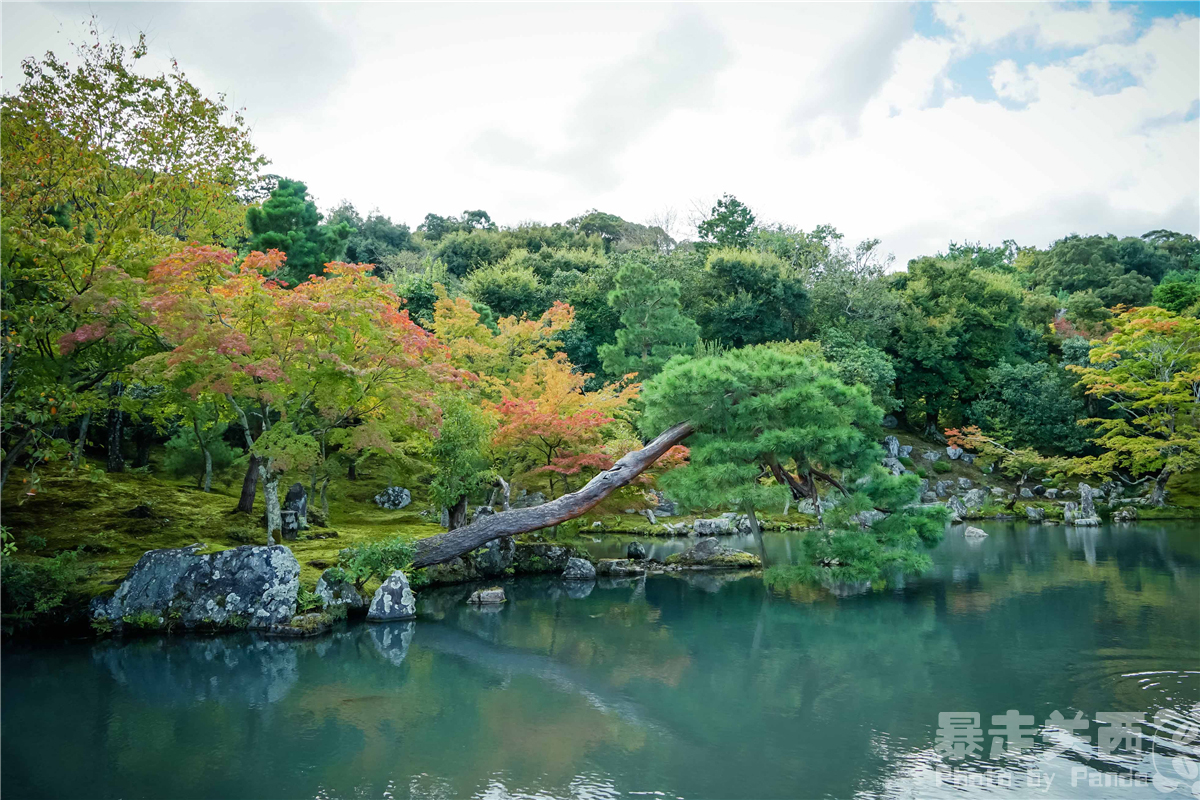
(452, 544)
(458, 514)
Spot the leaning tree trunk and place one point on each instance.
(250, 485)
(116, 461)
(452, 544)
(458, 514)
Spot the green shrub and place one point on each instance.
(922, 473)
(308, 601)
(29, 588)
(376, 560)
(144, 620)
(906, 461)
(35, 542)
(185, 458)
(942, 467)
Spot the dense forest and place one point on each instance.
(163, 292)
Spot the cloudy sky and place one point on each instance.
(917, 124)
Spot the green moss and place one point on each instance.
(942, 467)
(72, 510)
(1183, 490)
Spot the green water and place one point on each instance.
(709, 686)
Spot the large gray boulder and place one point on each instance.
(868, 518)
(1035, 514)
(485, 597)
(1087, 515)
(393, 498)
(965, 483)
(618, 568)
(248, 586)
(943, 488)
(931, 455)
(891, 446)
(1087, 500)
(635, 551)
(579, 570)
(974, 533)
(720, 526)
(495, 558)
(905, 450)
(889, 421)
(534, 558)
(664, 507)
(954, 452)
(335, 590)
(975, 498)
(711, 554)
(958, 510)
(491, 560)
(393, 600)
(528, 500)
(297, 501)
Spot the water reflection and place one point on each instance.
(690, 684)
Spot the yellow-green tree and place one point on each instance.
(106, 171)
(1149, 372)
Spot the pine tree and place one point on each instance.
(289, 222)
(653, 329)
(770, 419)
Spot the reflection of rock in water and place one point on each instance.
(1084, 539)
(577, 590)
(847, 588)
(617, 583)
(184, 671)
(392, 639)
(711, 582)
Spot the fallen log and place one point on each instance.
(452, 544)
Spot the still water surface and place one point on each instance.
(700, 686)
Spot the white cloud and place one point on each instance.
(544, 111)
(1047, 24)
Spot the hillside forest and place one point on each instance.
(175, 316)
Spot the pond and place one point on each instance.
(675, 686)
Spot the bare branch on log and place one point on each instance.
(450, 545)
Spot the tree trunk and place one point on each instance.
(206, 484)
(352, 471)
(271, 498)
(77, 456)
(13, 454)
(116, 461)
(143, 437)
(1158, 495)
(449, 545)
(325, 500)
(458, 513)
(931, 428)
(250, 485)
